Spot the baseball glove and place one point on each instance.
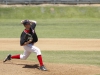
(28, 37)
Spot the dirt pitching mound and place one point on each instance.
(24, 67)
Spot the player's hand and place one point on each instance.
(22, 21)
(27, 42)
(32, 21)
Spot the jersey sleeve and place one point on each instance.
(33, 25)
(22, 38)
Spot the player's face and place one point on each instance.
(27, 26)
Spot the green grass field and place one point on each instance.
(66, 57)
(49, 12)
(54, 28)
(52, 21)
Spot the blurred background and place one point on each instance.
(49, 1)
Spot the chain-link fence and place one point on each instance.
(49, 1)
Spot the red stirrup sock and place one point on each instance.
(40, 60)
(16, 56)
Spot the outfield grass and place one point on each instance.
(53, 21)
(66, 57)
(54, 28)
(40, 12)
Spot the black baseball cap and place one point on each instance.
(26, 22)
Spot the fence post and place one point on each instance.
(53, 1)
(77, 1)
(6, 2)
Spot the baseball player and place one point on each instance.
(27, 39)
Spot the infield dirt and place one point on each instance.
(53, 44)
(26, 67)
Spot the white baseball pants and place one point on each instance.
(28, 49)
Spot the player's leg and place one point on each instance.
(21, 56)
(36, 50)
(32, 48)
(25, 55)
(18, 56)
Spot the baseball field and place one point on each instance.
(68, 38)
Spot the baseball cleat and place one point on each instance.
(43, 68)
(7, 58)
